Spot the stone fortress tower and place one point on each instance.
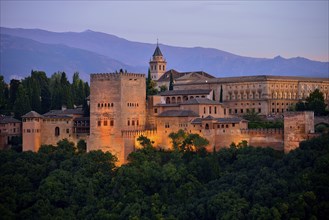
(117, 104)
(32, 131)
(157, 64)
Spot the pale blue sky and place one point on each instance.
(248, 28)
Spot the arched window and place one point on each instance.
(168, 100)
(207, 127)
(57, 131)
(173, 100)
(179, 100)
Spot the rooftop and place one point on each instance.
(76, 111)
(32, 114)
(218, 120)
(186, 92)
(178, 113)
(255, 79)
(184, 75)
(8, 119)
(200, 101)
(157, 51)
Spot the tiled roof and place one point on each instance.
(219, 120)
(195, 75)
(32, 114)
(8, 119)
(184, 75)
(209, 117)
(186, 92)
(196, 121)
(82, 119)
(200, 101)
(166, 76)
(157, 51)
(178, 113)
(167, 105)
(254, 79)
(76, 111)
(230, 120)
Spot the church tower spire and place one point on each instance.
(157, 64)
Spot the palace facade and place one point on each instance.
(199, 103)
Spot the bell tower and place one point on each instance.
(157, 64)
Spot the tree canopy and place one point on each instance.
(314, 102)
(243, 182)
(39, 93)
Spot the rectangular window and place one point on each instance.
(233, 124)
(236, 111)
(67, 131)
(105, 123)
(241, 110)
(99, 123)
(209, 109)
(215, 110)
(133, 122)
(155, 110)
(259, 110)
(112, 122)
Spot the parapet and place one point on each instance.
(293, 114)
(262, 131)
(111, 76)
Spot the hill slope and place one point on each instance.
(213, 61)
(21, 55)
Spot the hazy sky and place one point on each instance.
(249, 28)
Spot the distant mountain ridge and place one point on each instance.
(91, 51)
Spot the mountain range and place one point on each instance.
(91, 52)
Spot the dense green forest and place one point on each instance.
(40, 93)
(65, 182)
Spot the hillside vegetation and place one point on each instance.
(233, 183)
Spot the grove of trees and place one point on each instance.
(39, 93)
(315, 102)
(186, 183)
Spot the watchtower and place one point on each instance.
(117, 104)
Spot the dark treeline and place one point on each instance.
(40, 93)
(64, 182)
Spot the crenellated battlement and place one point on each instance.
(111, 76)
(262, 131)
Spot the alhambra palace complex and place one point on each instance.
(120, 112)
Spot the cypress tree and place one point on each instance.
(221, 94)
(22, 103)
(171, 83)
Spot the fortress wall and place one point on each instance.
(298, 126)
(65, 127)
